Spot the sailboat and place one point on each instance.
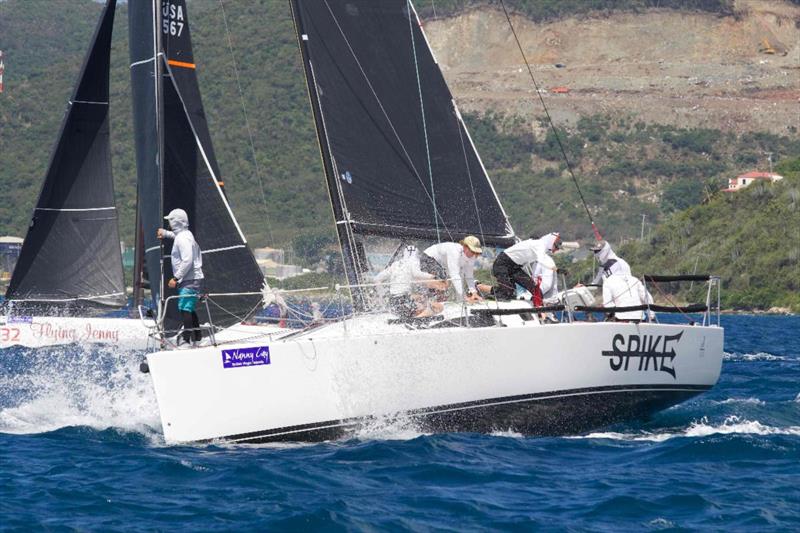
(70, 266)
(400, 165)
(177, 168)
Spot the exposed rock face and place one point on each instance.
(685, 69)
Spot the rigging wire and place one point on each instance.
(247, 125)
(469, 175)
(552, 125)
(424, 124)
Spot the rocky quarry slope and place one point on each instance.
(686, 69)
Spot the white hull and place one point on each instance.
(525, 377)
(122, 333)
(39, 332)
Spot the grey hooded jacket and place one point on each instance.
(187, 261)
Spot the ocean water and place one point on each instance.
(80, 448)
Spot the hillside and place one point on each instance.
(683, 68)
(663, 105)
(43, 55)
(751, 239)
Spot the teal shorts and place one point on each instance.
(188, 299)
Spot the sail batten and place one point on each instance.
(71, 261)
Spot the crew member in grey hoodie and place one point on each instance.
(187, 271)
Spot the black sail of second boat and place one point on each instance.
(71, 261)
(177, 166)
(399, 160)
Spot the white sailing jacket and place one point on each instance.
(610, 264)
(529, 251)
(402, 274)
(451, 256)
(546, 270)
(622, 290)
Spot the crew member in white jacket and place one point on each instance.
(510, 266)
(404, 276)
(622, 290)
(187, 272)
(455, 261)
(610, 263)
(620, 287)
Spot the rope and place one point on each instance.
(383, 110)
(668, 299)
(424, 124)
(247, 125)
(234, 315)
(552, 125)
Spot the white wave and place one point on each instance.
(702, 428)
(57, 389)
(389, 428)
(508, 433)
(760, 356)
(750, 401)
(661, 523)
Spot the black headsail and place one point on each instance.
(71, 259)
(179, 169)
(398, 158)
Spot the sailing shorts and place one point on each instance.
(189, 293)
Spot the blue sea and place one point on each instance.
(81, 449)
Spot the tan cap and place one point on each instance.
(472, 242)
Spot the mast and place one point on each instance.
(158, 54)
(143, 17)
(344, 229)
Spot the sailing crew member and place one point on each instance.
(403, 276)
(510, 266)
(624, 290)
(187, 272)
(620, 287)
(545, 274)
(610, 263)
(455, 261)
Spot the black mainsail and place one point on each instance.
(71, 261)
(398, 158)
(177, 167)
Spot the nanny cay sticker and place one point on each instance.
(239, 357)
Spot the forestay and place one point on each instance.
(71, 259)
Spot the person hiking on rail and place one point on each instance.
(187, 272)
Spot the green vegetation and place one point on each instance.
(750, 238)
(44, 44)
(625, 168)
(550, 9)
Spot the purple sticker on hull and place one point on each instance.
(239, 357)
